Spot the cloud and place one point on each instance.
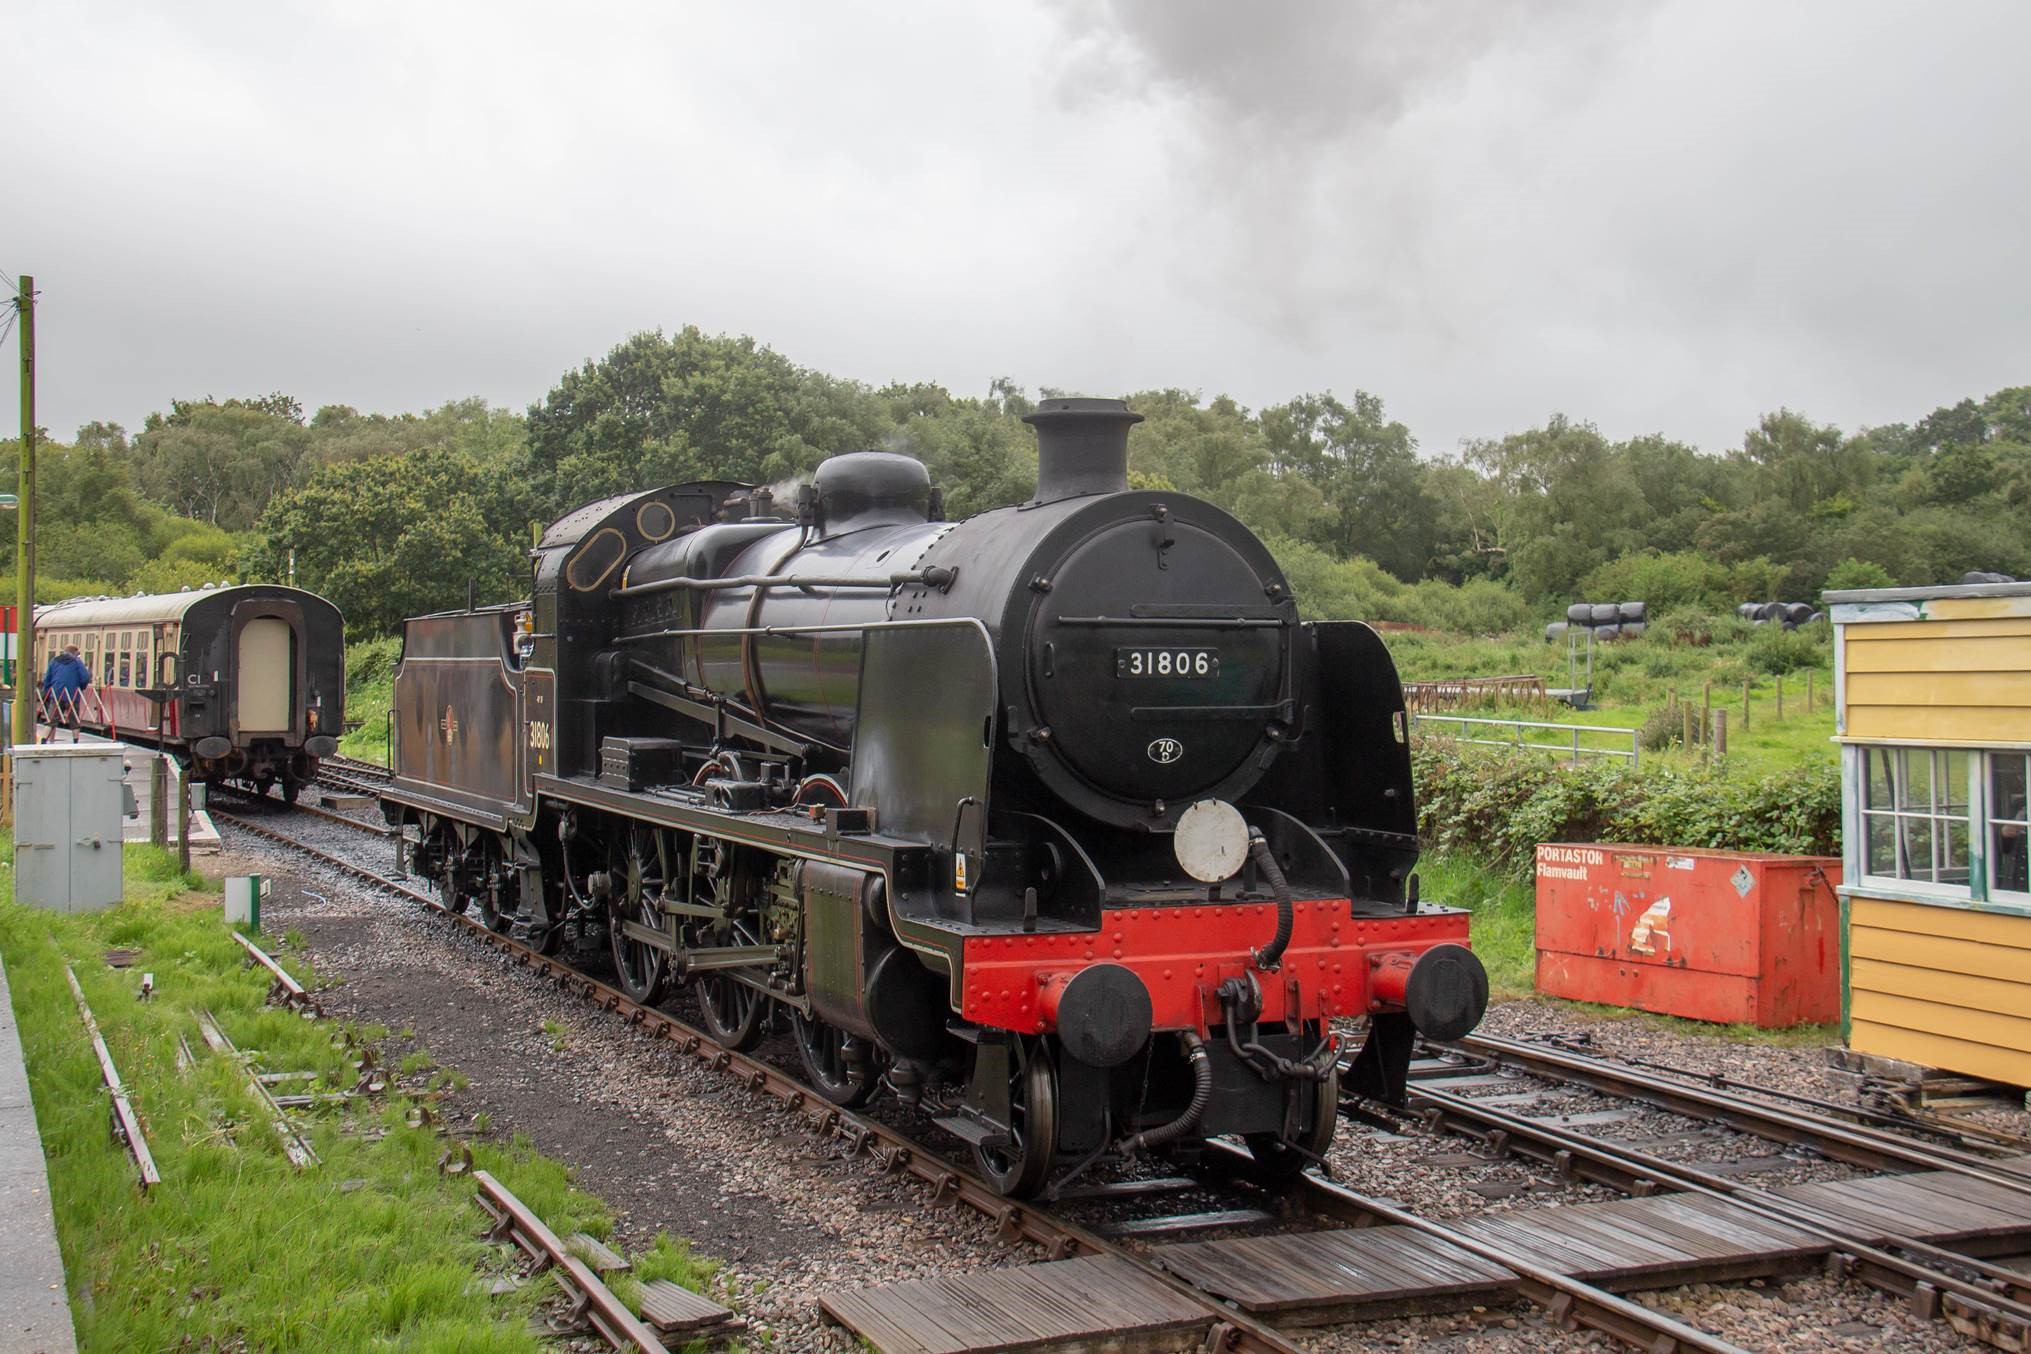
(1669, 216)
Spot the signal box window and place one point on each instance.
(2009, 821)
(1915, 815)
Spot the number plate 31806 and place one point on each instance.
(1166, 662)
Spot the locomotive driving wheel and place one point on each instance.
(832, 1057)
(1021, 1166)
(734, 1013)
(639, 883)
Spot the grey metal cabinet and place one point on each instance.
(68, 802)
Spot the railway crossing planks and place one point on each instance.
(1319, 1278)
(1323, 1277)
(1087, 1303)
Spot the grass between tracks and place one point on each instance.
(372, 1249)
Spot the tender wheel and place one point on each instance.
(643, 970)
(1276, 1162)
(263, 785)
(1022, 1166)
(831, 1057)
(450, 887)
(290, 789)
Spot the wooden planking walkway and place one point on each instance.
(1093, 1302)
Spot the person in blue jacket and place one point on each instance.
(63, 688)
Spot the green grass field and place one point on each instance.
(235, 1249)
(1634, 680)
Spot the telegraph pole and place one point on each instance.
(24, 527)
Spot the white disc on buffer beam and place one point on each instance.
(1211, 840)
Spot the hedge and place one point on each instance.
(1499, 806)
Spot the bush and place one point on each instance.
(1776, 651)
(1857, 573)
(371, 660)
(1500, 806)
(1661, 729)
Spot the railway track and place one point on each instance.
(1986, 1301)
(1570, 1302)
(350, 775)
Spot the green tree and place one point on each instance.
(221, 462)
(394, 536)
(1365, 465)
(657, 410)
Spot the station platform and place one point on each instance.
(204, 835)
(35, 1313)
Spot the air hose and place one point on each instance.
(1269, 956)
(1202, 1095)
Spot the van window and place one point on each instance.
(126, 677)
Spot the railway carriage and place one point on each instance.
(1057, 821)
(243, 683)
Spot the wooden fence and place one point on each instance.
(1452, 693)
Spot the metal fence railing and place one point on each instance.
(1528, 735)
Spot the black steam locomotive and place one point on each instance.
(1056, 821)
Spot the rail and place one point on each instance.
(285, 990)
(126, 1123)
(1565, 1298)
(590, 1298)
(1977, 1298)
(294, 1145)
(1518, 728)
(893, 1150)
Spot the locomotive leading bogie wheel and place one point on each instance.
(831, 1056)
(1276, 1163)
(1021, 1166)
(638, 891)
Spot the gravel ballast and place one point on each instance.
(674, 1147)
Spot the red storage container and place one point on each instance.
(1711, 935)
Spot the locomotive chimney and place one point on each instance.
(1082, 447)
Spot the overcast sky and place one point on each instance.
(1664, 217)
